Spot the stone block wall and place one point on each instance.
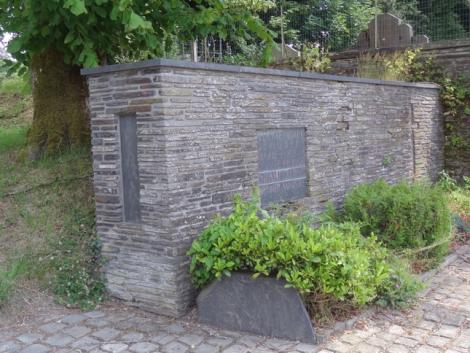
(196, 145)
(453, 56)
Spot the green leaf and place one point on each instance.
(77, 7)
(101, 12)
(88, 57)
(114, 13)
(45, 31)
(69, 37)
(22, 71)
(135, 21)
(315, 259)
(152, 41)
(15, 45)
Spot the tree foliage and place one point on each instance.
(438, 19)
(86, 33)
(90, 32)
(332, 24)
(336, 24)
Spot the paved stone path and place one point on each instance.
(439, 324)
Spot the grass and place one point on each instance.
(47, 233)
(15, 85)
(12, 138)
(459, 201)
(47, 214)
(15, 102)
(18, 268)
(386, 66)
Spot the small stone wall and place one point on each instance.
(193, 134)
(452, 56)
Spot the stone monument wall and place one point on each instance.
(174, 141)
(453, 56)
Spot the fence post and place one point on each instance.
(282, 32)
(376, 29)
(194, 50)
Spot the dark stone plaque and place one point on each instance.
(281, 165)
(130, 171)
(260, 306)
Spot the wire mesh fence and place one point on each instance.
(335, 26)
(437, 19)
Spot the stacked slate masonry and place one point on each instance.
(192, 135)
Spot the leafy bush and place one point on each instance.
(458, 199)
(333, 259)
(446, 182)
(466, 182)
(402, 216)
(458, 193)
(245, 54)
(400, 288)
(313, 59)
(395, 65)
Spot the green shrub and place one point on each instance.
(313, 59)
(333, 259)
(458, 194)
(395, 65)
(466, 182)
(402, 216)
(400, 288)
(446, 182)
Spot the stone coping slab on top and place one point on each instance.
(246, 69)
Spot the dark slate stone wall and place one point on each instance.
(452, 55)
(197, 145)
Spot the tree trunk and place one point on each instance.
(60, 119)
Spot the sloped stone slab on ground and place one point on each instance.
(261, 306)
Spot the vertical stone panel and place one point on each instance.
(129, 168)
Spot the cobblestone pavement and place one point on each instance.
(439, 324)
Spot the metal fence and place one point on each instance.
(335, 26)
(437, 19)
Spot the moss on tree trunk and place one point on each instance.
(60, 119)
